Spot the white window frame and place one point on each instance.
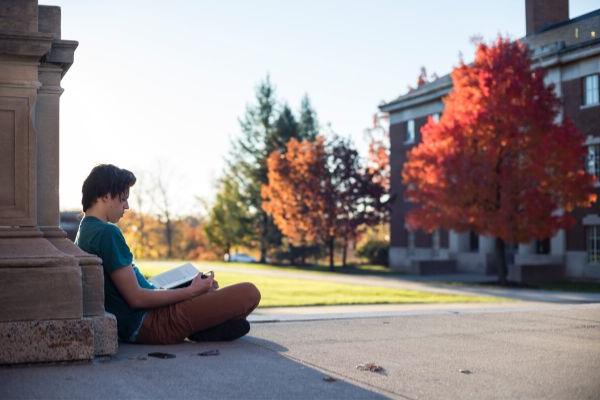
(593, 159)
(436, 117)
(592, 244)
(591, 90)
(410, 131)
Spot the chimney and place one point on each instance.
(541, 13)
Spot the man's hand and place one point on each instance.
(201, 285)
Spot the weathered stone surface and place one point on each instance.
(19, 15)
(91, 270)
(48, 340)
(93, 290)
(106, 341)
(40, 293)
(49, 20)
(27, 248)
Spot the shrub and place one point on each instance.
(376, 251)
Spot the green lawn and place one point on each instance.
(280, 291)
(376, 270)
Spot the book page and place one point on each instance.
(175, 277)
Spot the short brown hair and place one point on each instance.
(105, 179)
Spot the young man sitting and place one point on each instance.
(145, 314)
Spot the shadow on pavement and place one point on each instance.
(245, 369)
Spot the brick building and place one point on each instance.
(569, 50)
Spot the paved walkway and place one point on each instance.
(550, 353)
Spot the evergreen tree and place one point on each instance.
(229, 222)
(248, 161)
(308, 126)
(286, 128)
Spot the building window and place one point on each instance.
(591, 91)
(410, 132)
(473, 242)
(542, 246)
(593, 160)
(593, 244)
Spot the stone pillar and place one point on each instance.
(41, 301)
(51, 71)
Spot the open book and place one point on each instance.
(177, 277)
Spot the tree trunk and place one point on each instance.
(263, 238)
(169, 237)
(331, 251)
(500, 253)
(344, 252)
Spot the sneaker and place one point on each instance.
(225, 332)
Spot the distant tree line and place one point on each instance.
(289, 191)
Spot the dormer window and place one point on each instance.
(591, 91)
(410, 132)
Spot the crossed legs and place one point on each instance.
(205, 313)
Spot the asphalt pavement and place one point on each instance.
(519, 350)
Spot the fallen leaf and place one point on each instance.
(464, 371)
(372, 367)
(209, 353)
(161, 355)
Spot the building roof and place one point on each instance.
(544, 46)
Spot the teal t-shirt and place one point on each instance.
(107, 242)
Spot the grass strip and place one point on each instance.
(288, 292)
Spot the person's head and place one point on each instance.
(105, 191)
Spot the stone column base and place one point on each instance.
(105, 334)
(49, 340)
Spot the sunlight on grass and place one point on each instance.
(156, 267)
(281, 292)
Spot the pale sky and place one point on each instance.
(163, 83)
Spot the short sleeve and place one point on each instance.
(114, 249)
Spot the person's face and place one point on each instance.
(116, 206)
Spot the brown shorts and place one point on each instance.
(172, 324)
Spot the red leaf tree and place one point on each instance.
(498, 162)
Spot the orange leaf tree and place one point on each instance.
(498, 162)
(317, 193)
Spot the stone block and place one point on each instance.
(40, 293)
(48, 340)
(91, 271)
(19, 15)
(93, 290)
(538, 273)
(434, 267)
(106, 341)
(49, 20)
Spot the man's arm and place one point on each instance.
(137, 297)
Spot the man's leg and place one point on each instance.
(225, 332)
(172, 324)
